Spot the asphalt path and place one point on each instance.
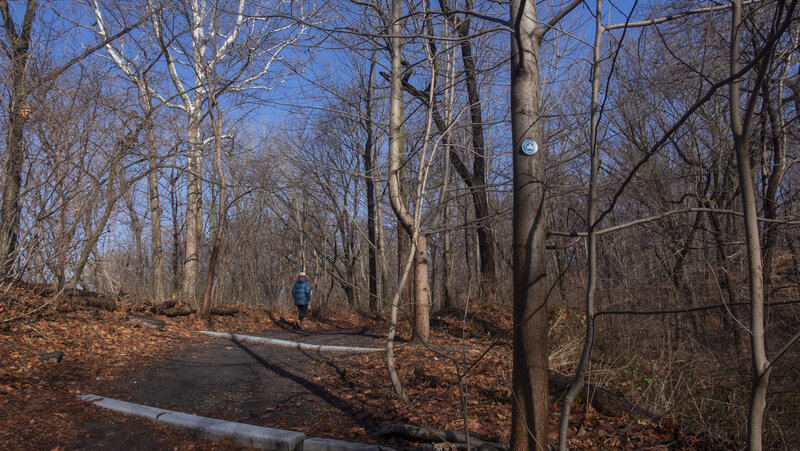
(241, 381)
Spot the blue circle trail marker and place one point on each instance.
(529, 147)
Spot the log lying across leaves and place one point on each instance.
(178, 311)
(185, 311)
(145, 321)
(606, 402)
(224, 311)
(159, 308)
(420, 434)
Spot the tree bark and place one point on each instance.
(774, 172)
(422, 292)
(529, 421)
(381, 250)
(369, 176)
(397, 170)
(579, 380)
(194, 209)
(177, 275)
(741, 130)
(19, 43)
(478, 177)
(157, 252)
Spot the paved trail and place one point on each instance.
(245, 382)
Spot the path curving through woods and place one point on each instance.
(248, 380)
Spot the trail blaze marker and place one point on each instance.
(529, 147)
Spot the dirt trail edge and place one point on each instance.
(249, 381)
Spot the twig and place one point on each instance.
(40, 333)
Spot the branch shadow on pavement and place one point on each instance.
(359, 416)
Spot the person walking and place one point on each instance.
(301, 292)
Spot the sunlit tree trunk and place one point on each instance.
(157, 250)
(216, 243)
(194, 208)
(529, 421)
(741, 128)
(397, 183)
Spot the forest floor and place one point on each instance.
(346, 397)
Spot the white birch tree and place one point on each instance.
(243, 42)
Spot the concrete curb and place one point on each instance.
(211, 428)
(243, 434)
(288, 344)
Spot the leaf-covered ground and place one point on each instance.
(39, 408)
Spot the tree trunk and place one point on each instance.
(529, 421)
(381, 242)
(62, 235)
(740, 128)
(177, 275)
(216, 244)
(478, 177)
(773, 177)
(372, 261)
(194, 212)
(15, 147)
(579, 380)
(397, 188)
(403, 236)
(301, 230)
(422, 292)
(397, 174)
(155, 215)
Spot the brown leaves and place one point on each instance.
(100, 345)
(97, 345)
(433, 384)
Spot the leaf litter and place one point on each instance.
(39, 406)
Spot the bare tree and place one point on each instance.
(137, 68)
(17, 49)
(476, 179)
(529, 421)
(256, 39)
(741, 128)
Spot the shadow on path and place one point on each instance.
(252, 383)
(317, 390)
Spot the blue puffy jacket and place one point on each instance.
(301, 291)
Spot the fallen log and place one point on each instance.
(224, 311)
(159, 308)
(179, 311)
(420, 434)
(604, 401)
(145, 321)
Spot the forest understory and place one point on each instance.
(664, 396)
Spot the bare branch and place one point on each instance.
(659, 20)
(650, 219)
